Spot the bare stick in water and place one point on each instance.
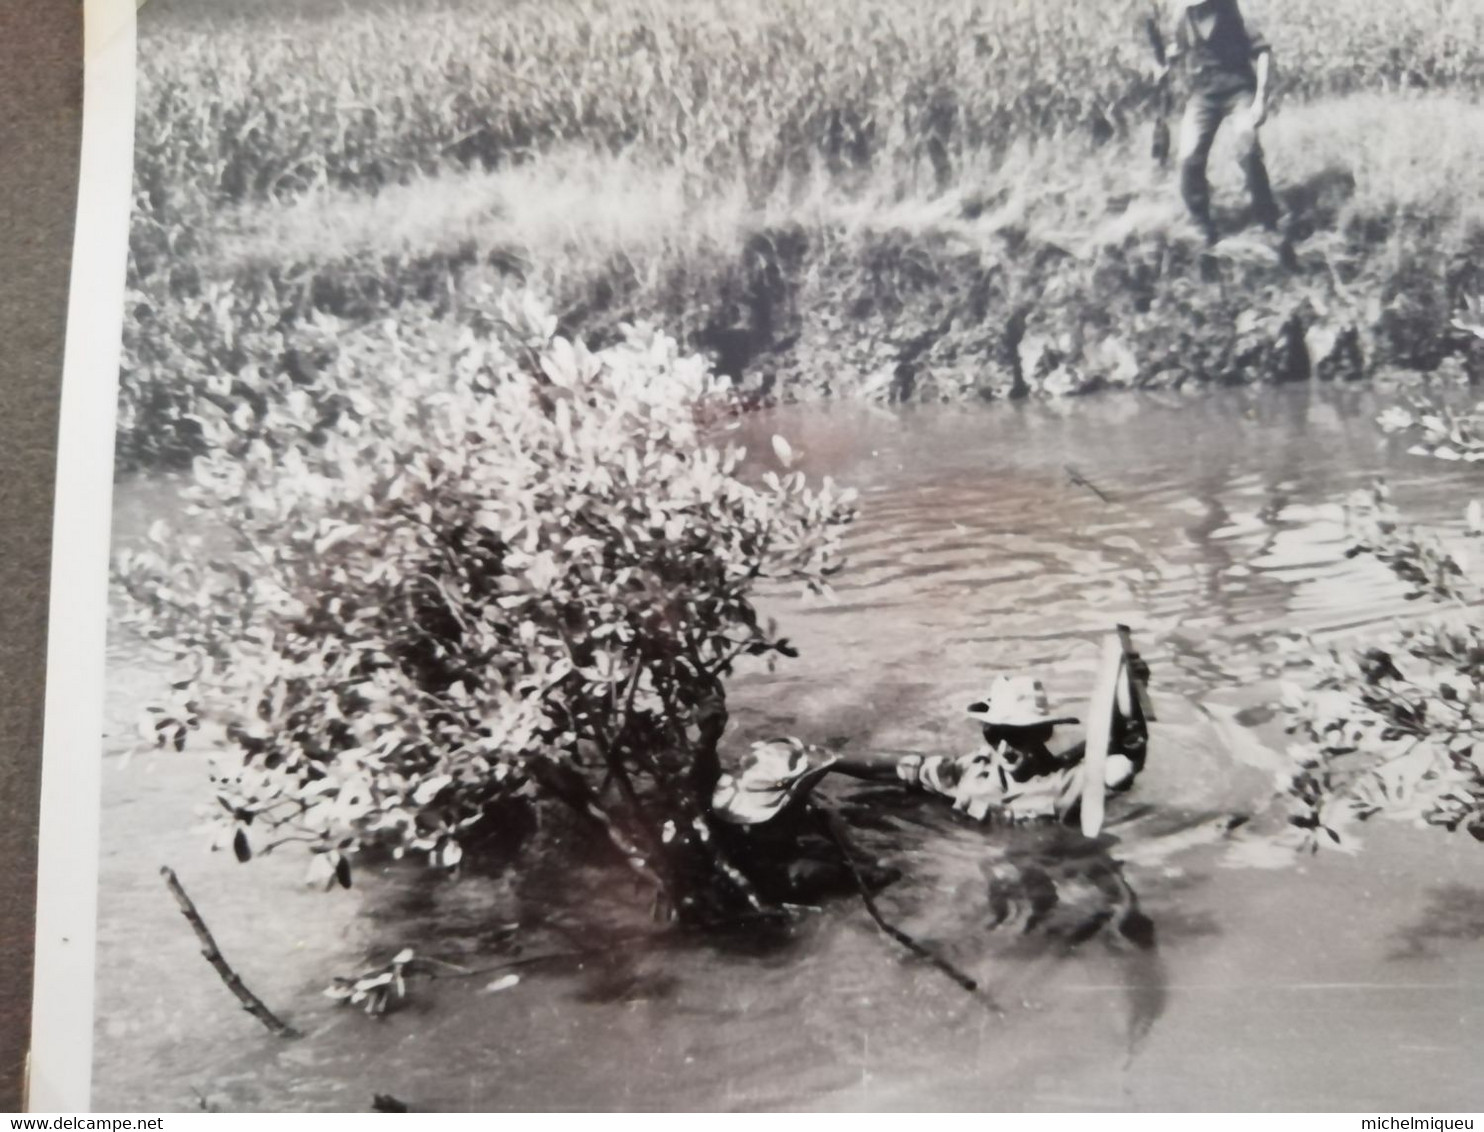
(250, 1002)
(1082, 481)
(832, 827)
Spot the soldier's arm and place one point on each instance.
(1264, 66)
(937, 774)
(1262, 62)
(1176, 33)
(874, 766)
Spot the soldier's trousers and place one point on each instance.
(1204, 114)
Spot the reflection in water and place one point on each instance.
(984, 893)
(1454, 913)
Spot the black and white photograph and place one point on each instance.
(831, 555)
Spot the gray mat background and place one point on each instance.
(40, 126)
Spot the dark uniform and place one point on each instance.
(1221, 53)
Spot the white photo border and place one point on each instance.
(59, 1070)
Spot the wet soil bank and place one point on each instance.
(1051, 271)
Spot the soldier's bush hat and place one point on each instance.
(774, 775)
(1016, 701)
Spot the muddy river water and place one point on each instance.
(1212, 526)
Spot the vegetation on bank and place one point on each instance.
(905, 203)
(268, 108)
(1393, 725)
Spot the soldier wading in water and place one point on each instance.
(799, 849)
(1015, 775)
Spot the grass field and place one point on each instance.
(888, 199)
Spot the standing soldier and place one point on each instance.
(1228, 66)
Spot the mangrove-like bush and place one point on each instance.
(1395, 726)
(452, 574)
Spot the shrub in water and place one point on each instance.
(455, 573)
(1396, 727)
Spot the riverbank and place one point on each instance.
(1053, 269)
